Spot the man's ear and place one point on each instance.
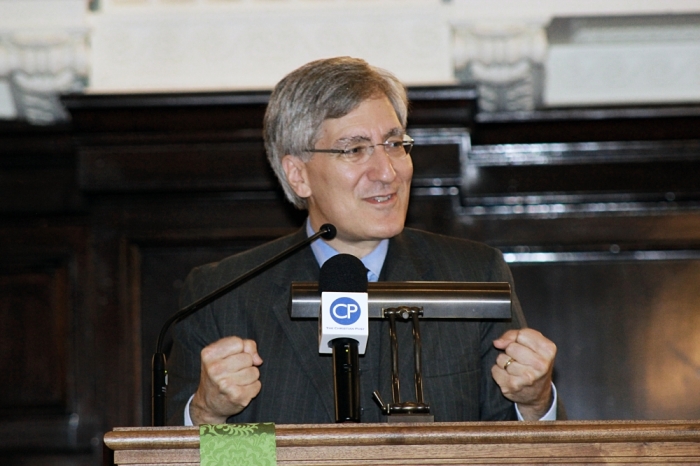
(297, 176)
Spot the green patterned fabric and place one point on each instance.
(238, 444)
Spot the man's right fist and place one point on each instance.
(228, 381)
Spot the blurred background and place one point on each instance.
(565, 133)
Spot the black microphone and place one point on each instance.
(344, 273)
(159, 384)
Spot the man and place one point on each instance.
(335, 135)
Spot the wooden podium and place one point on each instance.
(558, 442)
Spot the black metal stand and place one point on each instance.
(441, 300)
(346, 380)
(408, 411)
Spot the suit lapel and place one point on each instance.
(303, 267)
(404, 262)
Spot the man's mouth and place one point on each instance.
(381, 199)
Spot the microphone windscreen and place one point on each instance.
(330, 231)
(343, 273)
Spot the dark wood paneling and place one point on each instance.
(232, 113)
(101, 221)
(163, 270)
(237, 114)
(183, 167)
(567, 174)
(665, 229)
(37, 170)
(627, 333)
(33, 303)
(679, 178)
(38, 459)
(583, 125)
(436, 161)
(49, 392)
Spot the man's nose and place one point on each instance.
(382, 165)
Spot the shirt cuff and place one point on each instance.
(551, 415)
(188, 419)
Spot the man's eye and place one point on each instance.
(393, 144)
(355, 150)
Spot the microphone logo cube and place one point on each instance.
(343, 315)
(345, 310)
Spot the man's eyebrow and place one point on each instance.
(357, 138)
(353, 139)
(394, 132)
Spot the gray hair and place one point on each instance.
(320, 90)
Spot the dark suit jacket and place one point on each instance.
(297, 382)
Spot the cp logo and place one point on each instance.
(345, 311)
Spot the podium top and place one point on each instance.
(425, 433)
(634, 442)
(439, 299)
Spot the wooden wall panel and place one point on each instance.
(163, 270)
(101, 220)
(33, 303)
(627, 332)
(49, 389)
(177, 167)
(657, 123)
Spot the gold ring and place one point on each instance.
(508, 363)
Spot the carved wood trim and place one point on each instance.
(439, 443)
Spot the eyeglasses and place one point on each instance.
(396, 147)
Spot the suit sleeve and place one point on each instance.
(494, 406)
(190, 336)
(501, 273)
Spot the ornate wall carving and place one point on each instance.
(505, 62)
(44, 52)
(505, 48)
(40, 65)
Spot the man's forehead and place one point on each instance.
(359, 134)
(370, 117)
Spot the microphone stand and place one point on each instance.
(159, 385)
(346, 380)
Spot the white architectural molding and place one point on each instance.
(627, 60)
(541, 12)
(504, 47)
(204, 45)
(504, 61)
(501, 46)
(43, 53)
(8, 110)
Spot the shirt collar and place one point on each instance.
(374, 261)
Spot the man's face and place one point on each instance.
(366, 202)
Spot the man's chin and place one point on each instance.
(387, 233)
(371, 229)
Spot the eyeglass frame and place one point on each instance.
(407, 143)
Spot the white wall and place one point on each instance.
(203, 45)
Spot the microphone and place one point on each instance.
(159, 383)
(343, 327)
